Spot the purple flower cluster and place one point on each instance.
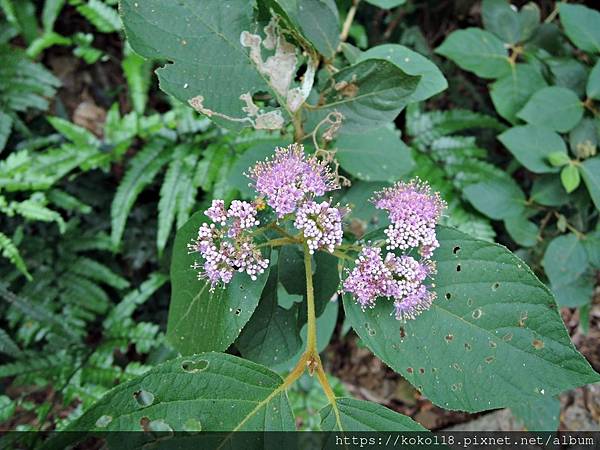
(289, 178)
(321, 225)
(225, 244)
(413, 213)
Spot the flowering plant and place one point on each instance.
(464, 320)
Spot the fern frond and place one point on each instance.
(96, 271)
(9, 251)
(36, 363)
(103, 17)
(84, 293)
(8, 346)
(143, 168)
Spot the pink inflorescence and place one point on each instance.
(413, 212)
(225, 244)
(290, 177)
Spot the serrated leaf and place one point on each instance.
(498, 199)
(368, 94)
(510, 93)
(590, 172)
(493, 325)
(582, 26)
(432, 80)
(360, 415)
(7, 345)
(103, 17)
(210, 64)
(74, 133)
(50, 12)
(137, 72)
(570, 178)
(215, 391)
(375, 155)
(533, 146)
(200, 320)
(143, 167)
(477, 51)
(556, 108)
(10, 251)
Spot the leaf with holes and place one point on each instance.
(211, 67)
(492, 338)
(200, 320)
(359, 415)
(207, 392)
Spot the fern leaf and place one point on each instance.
(143, 168)
(67, 202)
(34, 209)
(84, 292)
(137, 73)
(8, 346)
(96, 271)
(135, 298)
(5, 127)
(76, 134)
(103, 17)
(50, 13)
(9, 251)
(36, 363)
(178, 178)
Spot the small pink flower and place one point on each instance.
(321, 225)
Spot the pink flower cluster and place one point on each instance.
(290, 181)
(289, 178)
(414, 212)
(225, 244)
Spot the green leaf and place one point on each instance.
(271, 337)
(590, 171)
(477, 51)
(582, 26)
(593, 83)
(375, 155)
(144, 166)
(548, 191)
(583, 139)
(212, 391)
(493, 325)
(5, 126)
(364, 217)
(568, 73)
(432, 80)
(592, 247)
(103, 17)
(569, 176)
(210, 67)
(576, 293)
(524, 232)
(540, 415)
(368, 94)
(565, 259)
(386, 4)
(560, 158)
(510, 93)
(74, 133)
(533, 146)
(137, 72)
(316, 20)
(50, 12)
(360, 415)
(10, 251)
(94, 270)
(553, 107)
(200, 320)
(8, 346)
(498, 199)
(511, 26)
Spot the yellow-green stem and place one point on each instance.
(311, 339)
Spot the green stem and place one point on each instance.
(311, 340)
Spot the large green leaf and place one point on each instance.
(553, 107)
(510, 25)
(200, 320)
(498, 199)
(375, 155)
(590, 172)
(532, 144)
(359, 415)
(492, 338)
(368, 94)
(510, 93)
(477, 51)
(582, 25)
(205, 392)
(316, 20)
(209, 63)
(432, 80)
